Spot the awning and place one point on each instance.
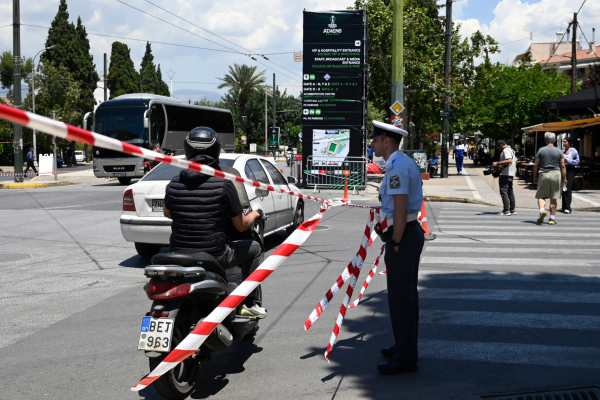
(562, 126)
(581, 103)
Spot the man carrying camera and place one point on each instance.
(508, 163)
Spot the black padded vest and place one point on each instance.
(199, 211)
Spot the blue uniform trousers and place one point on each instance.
(402, 277)
(459, 161)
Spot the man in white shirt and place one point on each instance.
(508, 160)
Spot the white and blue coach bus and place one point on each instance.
(142, 118)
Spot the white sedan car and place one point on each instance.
(143, 222)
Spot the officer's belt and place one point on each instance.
(384, 236)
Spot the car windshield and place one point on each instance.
(122, 123)
(165, 172)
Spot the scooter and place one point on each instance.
(432, 166)
(185, 286)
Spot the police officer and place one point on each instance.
(401, 198)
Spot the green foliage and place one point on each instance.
(148, 72)
(7, 74)
(163, 88)
(423, 59)
(61, 35)
(122, 77)
(508, 98)
(242, 80)
(84, 69)
(210, 103)
(55, 91)
(373, 114)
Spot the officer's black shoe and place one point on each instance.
(388, 352)
(394, 367)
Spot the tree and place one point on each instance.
(61, 35)
(84, 69)
(7, 71)
(148, 72)
(163, 88)
(593, 79)
(510, 99)
(55, 91)
(242, 80)
(122, 77)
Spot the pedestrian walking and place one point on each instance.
(459, 155)
(550, 162)
(508, 162)
(370, 152)
(571, 160)
(471, 150)
(401, 198)
(30, 163)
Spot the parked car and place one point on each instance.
(143, 223)
(79, 156)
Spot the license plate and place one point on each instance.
(157, 205)
(120, 174)
(156, 334)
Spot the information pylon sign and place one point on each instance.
(334, 88)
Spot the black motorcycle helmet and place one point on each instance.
(202, 140)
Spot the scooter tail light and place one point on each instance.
(128, 203)
(167, 290)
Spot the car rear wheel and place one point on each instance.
(124, 181)
(147, 250)
(298, 218)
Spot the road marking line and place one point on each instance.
(579, 197)
(476, 194)
(511, 353)
(535, 296)
(455, 240)
(554, 262)
(445, 249)
(508, 319)
(507, 276)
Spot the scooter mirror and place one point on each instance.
(261, 193)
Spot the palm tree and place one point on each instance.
(243, 80)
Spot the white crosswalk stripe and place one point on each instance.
(531, 316)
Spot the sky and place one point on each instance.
(264, 27)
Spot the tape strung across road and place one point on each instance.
(193, 341)
(48, 173)
(369, 277)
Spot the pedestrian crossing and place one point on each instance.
(506, 290)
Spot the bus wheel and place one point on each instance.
(124, 181)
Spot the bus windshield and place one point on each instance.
(122, 123)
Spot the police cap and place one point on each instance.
(380, 128)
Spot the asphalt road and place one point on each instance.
(506, 306)
(31, 174)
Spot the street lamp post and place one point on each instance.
(33, 97)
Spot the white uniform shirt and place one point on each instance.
(402, 176)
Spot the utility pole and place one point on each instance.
(18, 136)
(398, 53)
(574, 55)
(266, 123)
(274, 106)
(448, 82)
(171, 74)
(55, 139)
(105, 80)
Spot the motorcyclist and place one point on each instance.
(206, 211)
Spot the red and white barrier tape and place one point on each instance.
(358, 259)
(48, 173)
(369, 277)
(194, 340)
(70, 132)
(350, 289)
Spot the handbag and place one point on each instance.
(35, 163)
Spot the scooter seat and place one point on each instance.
(190, 258)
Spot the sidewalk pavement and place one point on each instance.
(472, 185)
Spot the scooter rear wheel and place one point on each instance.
(179, 382)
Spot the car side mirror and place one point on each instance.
(261, 193)
(291, 180)
(146, 119)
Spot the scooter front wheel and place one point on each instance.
(179, 382)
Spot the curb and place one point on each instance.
(33, 185)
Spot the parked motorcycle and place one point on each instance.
(432, 166)
(185, 286)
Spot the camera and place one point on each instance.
(494, 171)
